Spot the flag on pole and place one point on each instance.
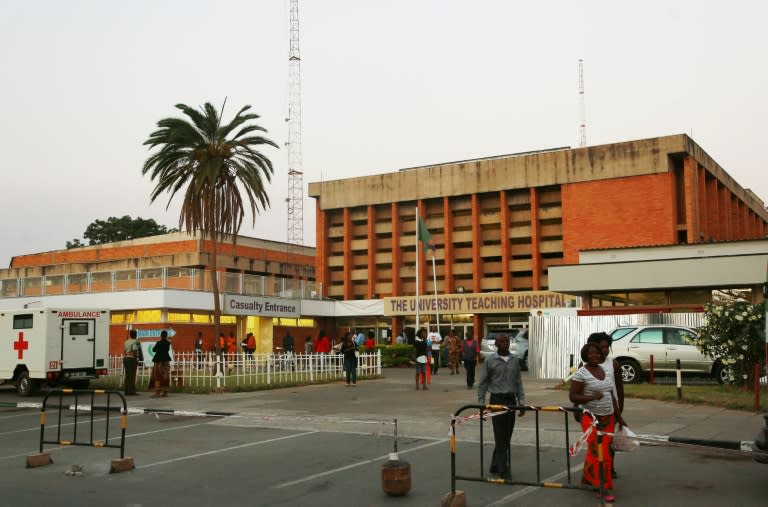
(426, 238)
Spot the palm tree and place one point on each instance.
(213, 165)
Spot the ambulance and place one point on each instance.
(55, 346)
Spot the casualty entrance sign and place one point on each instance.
(261, 306)
(490, 302)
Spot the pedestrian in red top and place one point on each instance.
(369, 344)
(323, 344)
(231, 343)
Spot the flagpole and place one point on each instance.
(434, 282)
(417, 269)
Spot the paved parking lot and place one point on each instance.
(325, 445)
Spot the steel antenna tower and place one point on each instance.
(295, 175)
(582, 113)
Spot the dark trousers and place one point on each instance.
(470, 367)
(350, 367)
(129, 367)
(503, 426)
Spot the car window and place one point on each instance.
(686, 337)
(653, 335)
(673, 337)
(621, 332)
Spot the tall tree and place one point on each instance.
(214, 166)
(119, 229)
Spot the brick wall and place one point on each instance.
(618, 213)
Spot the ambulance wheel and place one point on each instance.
(25, 386)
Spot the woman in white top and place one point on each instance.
(593, 389)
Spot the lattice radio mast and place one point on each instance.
(582, 113)
(295, 175)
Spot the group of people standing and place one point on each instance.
(161, 364)
(596, 388)
(426, 354)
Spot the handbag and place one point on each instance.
(625, 440)
(577, 414)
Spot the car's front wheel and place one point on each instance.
(630, 371)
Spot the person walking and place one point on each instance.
(435, 339)
(250, 350)
(369, 344)
(501, 377)
(421, 358)
(199, 349)
(349, 349)
(131, 349)
(453, 348)
(470, 351)
(592, 388)
(612, 370)
(161, 369)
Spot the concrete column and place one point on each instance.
(372, 250)
(476, 238)
(397, 257)
(690, 184)
(506, 274)
(321, 257)
(713, 218)
(535, 240)
(448, 246)
(347, 254)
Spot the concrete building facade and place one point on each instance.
(163, 282)
(500, 223)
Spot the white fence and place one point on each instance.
(232, 370)
(552, 340)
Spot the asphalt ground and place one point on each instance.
(326, 444)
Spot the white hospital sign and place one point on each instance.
(488, 302)
(261, 306)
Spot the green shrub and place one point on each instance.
(395, 355)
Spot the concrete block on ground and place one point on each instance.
(451, 500)
(121, 465)
(39, 460)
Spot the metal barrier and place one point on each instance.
(489, 411)
(91, 393)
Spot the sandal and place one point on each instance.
(608, 497)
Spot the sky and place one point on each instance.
(385, 85)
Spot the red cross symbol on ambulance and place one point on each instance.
(20, 345)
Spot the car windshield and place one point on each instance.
(621, 332)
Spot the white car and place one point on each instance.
(633, 346)
(518, 345)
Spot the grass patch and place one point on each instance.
(234, 385)
(724, 396)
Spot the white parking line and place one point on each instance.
(112, 438)
(530, 489)
(227, 449)
(353, 465)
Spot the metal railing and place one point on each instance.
(240, 369)
(84, 438)
(158, 278)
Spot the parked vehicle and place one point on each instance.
(633, 346)
(54, 346)
(518, 344)
(760, 447)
